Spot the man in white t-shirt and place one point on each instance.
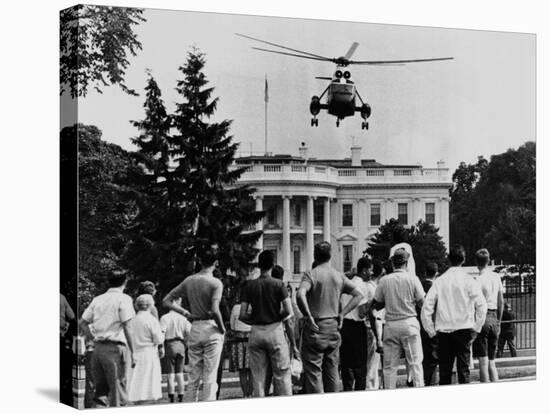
(485, 345)
(353, 351)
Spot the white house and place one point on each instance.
(343, 201)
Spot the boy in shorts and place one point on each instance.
(176, 329)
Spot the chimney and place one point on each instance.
(355, 156)
(303, 151)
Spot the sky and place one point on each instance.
(480, 103)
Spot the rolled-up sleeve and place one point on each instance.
(126, 310)
(428, 309)
(88, 314)
(306, 282)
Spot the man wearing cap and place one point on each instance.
(454, 310)
(201, 294)
(485, 344)
(399, 293)
(106, 320)
(319, 301)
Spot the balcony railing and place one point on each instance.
(342, 176)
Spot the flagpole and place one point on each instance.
(266, 99)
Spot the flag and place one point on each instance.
(266, 97)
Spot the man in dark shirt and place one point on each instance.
(267, 342)
(507, 331)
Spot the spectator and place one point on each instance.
(201, 293)
(485, 345)
(270, 304)
(175, 328)
(353, 351)
(148, 288)
(399, 293)
(239, 356)
(454, 309)
(373, 357)
(507, 331)
(145, 378)
(319, 301)
(429, 345)
(106, 321)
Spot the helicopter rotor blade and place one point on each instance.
(393, 62)
(291, 54)
(351, 50)
(282, 47)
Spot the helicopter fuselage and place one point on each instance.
(341, 98)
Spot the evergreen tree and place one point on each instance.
(219, 210)
(159, 233)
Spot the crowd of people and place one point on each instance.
(336, 333)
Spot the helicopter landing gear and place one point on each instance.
(364, 125)
(314, 122)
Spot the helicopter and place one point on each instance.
(341, 93)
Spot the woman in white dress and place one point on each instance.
(145, 377)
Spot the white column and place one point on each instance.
(286, 234)
(309, 232)
(260, 224)
(326, 221)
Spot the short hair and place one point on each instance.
(457, 255)
(400, 258)
(431, 269)
(146, 287)
(208, 257)
(377, 267)
(265, 260)
(363, 263)
(117, 278)
(144, 302)
(482, 257)
(277, 272)
(322, 252)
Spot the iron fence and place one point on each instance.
(520, 294)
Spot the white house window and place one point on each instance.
(430, 213)
(297, 260)
(403, 213)
(318, 214)
(375, 214)
(297, 215)
(347, 261)
(271, 215)
(347, 215)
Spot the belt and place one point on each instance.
(202, 319)
(491, 310)
(325, 319)
(174, 340)
(109, 342)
